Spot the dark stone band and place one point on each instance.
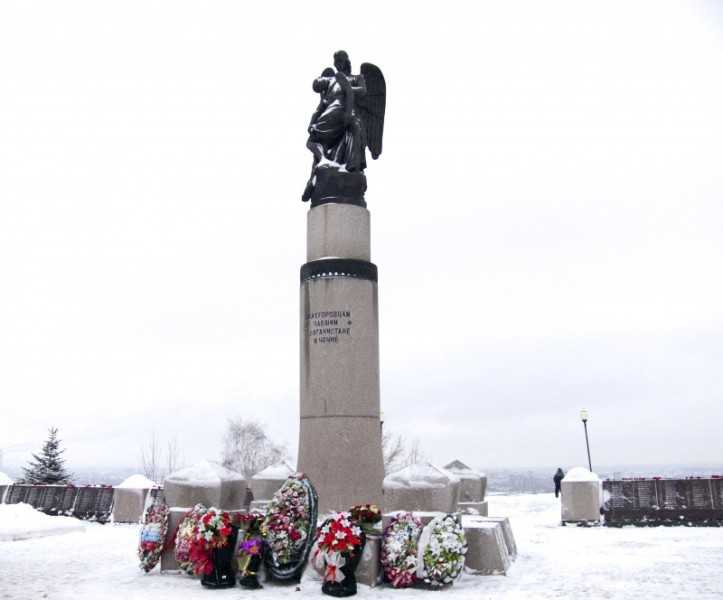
(339, 267)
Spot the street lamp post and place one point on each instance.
(584, 417)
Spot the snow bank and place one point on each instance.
(280, 470)
(22, 522)
(203, 474)
(137, 482)
(580, 474)
(420, 475)
(5, 480)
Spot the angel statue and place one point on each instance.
(349, 118)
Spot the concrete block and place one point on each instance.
(473, 508)
(369, 571)
(581, 501)
(442, 499)
(168, 558)
(264, 489)
(206, 483)
(486, 548)
(128, 504)
(421, 487)
(509, 537)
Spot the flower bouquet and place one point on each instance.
(211, 549)
(185, 536)
(399, 550)
(442, 548)
(340, 543)
(287, 527)
(153, 534)
(367, 516)
(250, 550)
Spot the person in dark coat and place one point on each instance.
(559, 475)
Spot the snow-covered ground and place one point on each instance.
(554, 562)
(23, 522)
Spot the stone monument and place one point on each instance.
(207, 483)
(340, 431)
(421, 487)
(581, 496)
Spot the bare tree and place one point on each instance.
(151, 458)
(248, 449)
(415, 454)
(393, 449)
(153, 462)
(174, 458)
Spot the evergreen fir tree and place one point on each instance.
(48, 465)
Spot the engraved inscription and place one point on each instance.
(328, 326)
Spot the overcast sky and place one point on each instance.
(546, 219)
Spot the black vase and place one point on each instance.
(348, 586)
(251, 580)
(222, 575)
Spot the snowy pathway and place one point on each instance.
(554, 562)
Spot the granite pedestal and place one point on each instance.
(340, 431)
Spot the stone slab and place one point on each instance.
(369, 572)
(338, 230)
(168, 558)
(128, 505)
(486, 548)
(264, 489)
(422, 499)
(473, 508)
(472, 489)
(506, 532)
(226, 495)
(580, 501)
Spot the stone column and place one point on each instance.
(340, 434)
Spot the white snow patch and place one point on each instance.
(580, 474)
(420, 475)
(21, 522)
(137, 482)
(280, 470)
(4, 479)
(203, 474)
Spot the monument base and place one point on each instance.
(340, 187)
(342, 456)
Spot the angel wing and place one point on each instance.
(371, 107)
